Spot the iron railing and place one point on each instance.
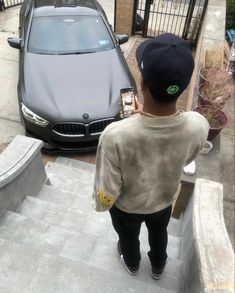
(4, 4)
(180, 17)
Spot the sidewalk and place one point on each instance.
(10, 124)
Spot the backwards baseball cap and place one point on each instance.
(166, 64)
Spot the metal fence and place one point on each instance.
(181, 17)
(4, 4)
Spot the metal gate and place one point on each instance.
(180, 17)
(4, 4)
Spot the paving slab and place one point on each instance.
(87, 221)
(108, 6)
(33, 233)
(27, 270)
(82, 171)
(75, 163)
(69, 179)
(53, 215)
(62, 198)
(68, 200)
(9, 20)
(8, 90)
(8, 130)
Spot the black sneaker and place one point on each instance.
(157, 273)
(132, 270)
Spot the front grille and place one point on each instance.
(82, 129)
(70, 129)
(98, 126)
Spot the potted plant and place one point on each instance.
(215, 75)
(211, 93)
(216, 118)
(214, 87)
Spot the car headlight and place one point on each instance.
(32, 117)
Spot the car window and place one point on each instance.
(69, 34)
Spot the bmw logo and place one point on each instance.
(85, 116)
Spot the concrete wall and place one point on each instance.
(188, 255)
(21, 172)
(123, 16)
(206, 248)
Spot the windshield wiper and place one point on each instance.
(76, 53)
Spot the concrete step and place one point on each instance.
(75, 164)
(69, 200)
(64, 199)
(76, 172)
(26, 270)
(70, 179)
(61, 231)
(33, 233)
(52, 238)
(53, 214)
(89, 222)
(65, 183)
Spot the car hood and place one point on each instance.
(64, 87)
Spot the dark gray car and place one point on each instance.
(71, 72)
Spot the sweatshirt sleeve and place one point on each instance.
(107, 181)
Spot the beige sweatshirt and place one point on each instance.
(140, 161)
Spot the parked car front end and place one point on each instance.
(70, 75)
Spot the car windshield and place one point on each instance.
(69, 35)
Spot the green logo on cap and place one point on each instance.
(173, 89)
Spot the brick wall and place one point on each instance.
(123, 16)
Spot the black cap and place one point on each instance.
(167, 64)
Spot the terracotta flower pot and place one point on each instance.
(215, 117)
(206, 96)
(210, 74)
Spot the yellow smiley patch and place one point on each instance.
(104, 199)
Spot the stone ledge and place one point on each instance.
(213, 248)
(21, 172)
(16, 157)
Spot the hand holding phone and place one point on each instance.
(128, 102)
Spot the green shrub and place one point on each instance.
(230, 14)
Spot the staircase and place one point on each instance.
(56, 243)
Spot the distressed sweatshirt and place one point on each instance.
(140, 161)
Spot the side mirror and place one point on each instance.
(15, 42)
(122, 39)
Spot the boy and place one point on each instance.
(140, 159)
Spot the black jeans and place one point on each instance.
(128, 226)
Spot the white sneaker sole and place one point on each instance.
(126, 267)
(158, 277)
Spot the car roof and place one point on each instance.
(65, 7)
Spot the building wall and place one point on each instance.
(123, 16)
